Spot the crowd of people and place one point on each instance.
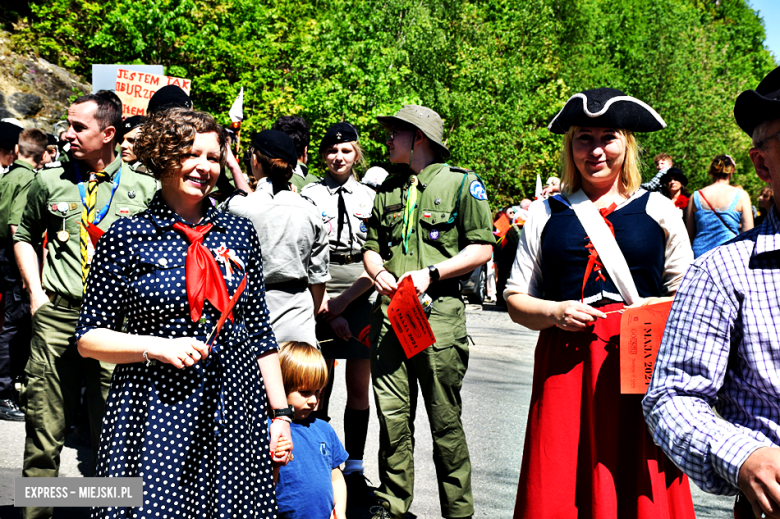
(194, 315)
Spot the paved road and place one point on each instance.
(496, 394)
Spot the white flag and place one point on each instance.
(538, 192)
(237, 110)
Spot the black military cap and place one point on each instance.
(9, 135)
(339, 132)
(754, 107)
(51, 140)
(131, 123)
(606, 108)
(169, 96)
(275, 145)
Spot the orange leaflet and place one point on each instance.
(408, 319)
(641, 330)
(502, 225)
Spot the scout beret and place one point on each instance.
(339, 132)
(169, 96)
(9, 135)
(606, 108)
(131, 123)
(422, 118)
(754, 107)
(275, 145)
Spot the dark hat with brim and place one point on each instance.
(9, 135)
(169, 96)
(673, 173)
(338, 133)
(51, 140)
(275, 145)
(422, 118)
(132, 123)
(606, 108)
(754, 107)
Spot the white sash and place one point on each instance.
(604, 241)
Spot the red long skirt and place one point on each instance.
(588, 453)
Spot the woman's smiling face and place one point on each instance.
(598, 154)
(199, 170)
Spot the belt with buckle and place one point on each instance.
(346, 259)
(64, 301)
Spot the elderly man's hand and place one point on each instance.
(759, 480)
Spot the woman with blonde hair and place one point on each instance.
(346, 204)
(600, 245)
(718, 212)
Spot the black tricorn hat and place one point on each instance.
(275, 145)
(337, 133)
(753, 107)
(169, 96)
(606, 108)
(674, 173)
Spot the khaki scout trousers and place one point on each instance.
(438, 372)
(55, 373)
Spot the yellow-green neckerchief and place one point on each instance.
(411, 204)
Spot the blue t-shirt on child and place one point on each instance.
(305, 487)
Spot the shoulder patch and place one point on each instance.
(477, 190)
(312, 202)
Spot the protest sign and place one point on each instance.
(408, 319)
(641, 330)
(136, 88)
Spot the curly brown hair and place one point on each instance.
(166, 135)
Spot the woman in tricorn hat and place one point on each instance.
(600, 245)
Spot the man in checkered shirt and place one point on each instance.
(721, 347)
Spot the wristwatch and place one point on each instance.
(284, 411)
(434, 272)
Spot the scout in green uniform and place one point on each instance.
(432, 224)
(95, 188)
(130, 128)
(297, 128)
(15, 333)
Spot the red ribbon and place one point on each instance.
(204, 278)
(594, 261)
(95, 233)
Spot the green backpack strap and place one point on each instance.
(460, 190)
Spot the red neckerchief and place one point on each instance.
(204, 278)
(594, 262)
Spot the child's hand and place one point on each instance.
(283, 453)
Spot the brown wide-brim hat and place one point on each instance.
(754, 107)
(422, 118)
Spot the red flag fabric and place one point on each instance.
(95, 233)
(204, 278)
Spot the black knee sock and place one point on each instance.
(355, 432)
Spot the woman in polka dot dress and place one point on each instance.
(189, 420)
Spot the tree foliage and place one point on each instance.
(496, 70)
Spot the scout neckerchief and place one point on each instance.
(203, 277)
(409, 207)
(88, 216)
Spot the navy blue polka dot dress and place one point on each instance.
(198, 435)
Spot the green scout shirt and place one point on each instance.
(62, 270)
(13, 195)
(443, 227)
(300, 181)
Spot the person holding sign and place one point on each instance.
(720, 347)
(73, 205)
(429, 226)
(187, 406)
(600, 244)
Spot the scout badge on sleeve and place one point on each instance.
(477, 190)
(408, 319)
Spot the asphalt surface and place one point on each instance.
(496, 394)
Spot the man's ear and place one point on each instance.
(759, 163)
(108, 134)
(16, 150)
